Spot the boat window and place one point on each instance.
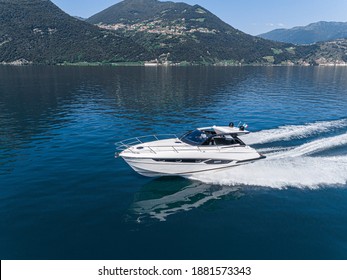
(239, 141)
(195, 137)
(179, 160)
(218, 161)
(206, 137)
(225, 140)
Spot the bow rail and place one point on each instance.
(127, 143)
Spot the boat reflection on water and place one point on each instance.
(167, 196)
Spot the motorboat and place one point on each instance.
(205, 149)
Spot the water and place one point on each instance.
(64, 196)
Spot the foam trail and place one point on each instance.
(341, 159)
(290, 132)
(290, 166)
(315, 146)
(301, 172)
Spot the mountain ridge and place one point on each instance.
(37, 31)
(181, 32)
(312, 33)
(143, 31)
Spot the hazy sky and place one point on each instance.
(251, 16)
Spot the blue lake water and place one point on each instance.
(63, 195)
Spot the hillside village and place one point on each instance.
(179, 28)
(144, 33)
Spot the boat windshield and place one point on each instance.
(206, 137)
(195, 137)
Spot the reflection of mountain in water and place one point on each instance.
(168, 196)
(36, 102)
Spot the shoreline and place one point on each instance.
(24, 62)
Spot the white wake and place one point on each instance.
(313, 147)
(309, 172)
(291, 132)
(290, 166)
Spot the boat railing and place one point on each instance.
(154, 149)
(127, 143)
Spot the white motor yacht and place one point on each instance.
(205, 149)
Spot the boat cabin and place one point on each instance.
(218, 136)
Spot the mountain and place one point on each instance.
(329, 53)
(37, 31)
(135, 11)
(312, 33)
(179, 32)
(80, 18)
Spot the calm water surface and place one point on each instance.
(63, 195)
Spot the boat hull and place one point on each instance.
(154, 168)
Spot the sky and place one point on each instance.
(251, 16)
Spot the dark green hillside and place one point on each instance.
(39, 32)
(134, 11)
(331, 52)
(180, 32)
